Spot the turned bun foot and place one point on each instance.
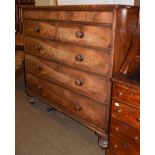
(50, 109)
(31, 99)
(103, 143)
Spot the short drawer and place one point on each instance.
(120, 147)
(126, 113)
(82, 16)
(92, 86)
(125, 131)
(40, 28)
(68, 101)
(52, 15)
(79, 57)
(96, 36)
(126, 94)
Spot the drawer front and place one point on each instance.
(40, 29)
(126, 95)
(52, 15)
(97, 36)
(87, 84)
(126, 113)
(125, 132)
(84, 16)
(73, 55)
(67, 101)
(120, 147)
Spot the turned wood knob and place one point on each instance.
(79, 57)
(37, 47)
(37, 28)
(135, 138)
(115, 146)
(79, 34)
(138, 119)
(79, 82)
(77, 107)
(120, 93)
(40, 87)
(118, 110)
(38, 66)
(116, 129)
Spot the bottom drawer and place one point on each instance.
(70, 102)
(120, 147)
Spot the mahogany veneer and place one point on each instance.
(71, 52)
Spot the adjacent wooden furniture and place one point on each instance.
(125, 117)
(18, 13)
(71, 52)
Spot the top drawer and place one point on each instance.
(88, 35)
(84, 16)
(40, 28)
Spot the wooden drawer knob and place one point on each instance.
(135, 138)
(77, 107)
(116, 129)
(138, 119)
(79, 82)
(40, 87)
(37, 28)
(79, 34)
(37, 47)
(38, 67)
(115, 146)
(120, 93)
(118, 110)
(79, 57)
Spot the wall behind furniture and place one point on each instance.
(74, 2)
(45, 2)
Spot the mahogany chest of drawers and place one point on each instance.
(125, 118)
(71, 52)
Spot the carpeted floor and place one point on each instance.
(41, 133)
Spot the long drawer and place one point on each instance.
(84, 16)
(125, 131)
(97, 36)
(66, 100)
(87, 84)
(120, 147)
(89, 59)
(126, 113)
(40, 28)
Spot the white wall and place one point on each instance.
(73, 2)
(78, 2)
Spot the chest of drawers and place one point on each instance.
(125, 118)
(71, 52)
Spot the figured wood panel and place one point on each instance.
(96, 36)
(40, 28)
(92, 60)
(126, 113)
(120, 147)
(124, 131)
(86, 16)
(87, 84)
(83, 16)
(40, 15)
(68, 101)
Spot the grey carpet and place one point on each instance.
(41, 133)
